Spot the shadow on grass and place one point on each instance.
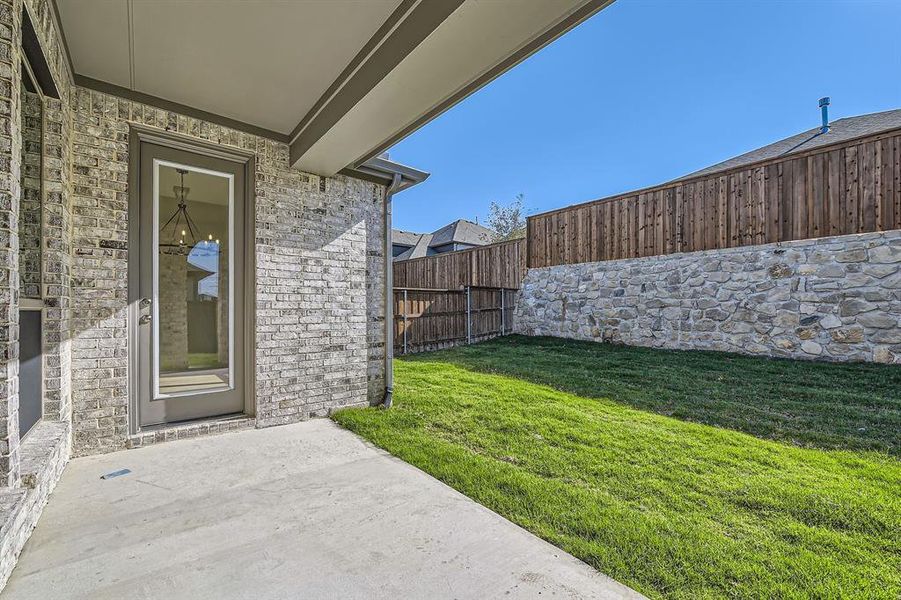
(817, 405)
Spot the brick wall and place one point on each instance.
(319, 275)
(222, 314)
(10, 196)
(319, 267)
(56, 220)
(835, 298)
(30, 205)
(173, 299)
(54, 223)
(319, 260)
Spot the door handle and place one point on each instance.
(144, 320)
(146, 302)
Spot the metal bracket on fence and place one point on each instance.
(405, 321)
(468, 316)
(503, 316)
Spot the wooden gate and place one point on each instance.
(430, 319)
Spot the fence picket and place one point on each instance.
(449, 317)
(847, 187)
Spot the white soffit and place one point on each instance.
(340, 80)
(97, 35)
(262, 63)
(476, 43)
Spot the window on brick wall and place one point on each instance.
(31, 118)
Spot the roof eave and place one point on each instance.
(382, 171)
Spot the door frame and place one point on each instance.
(138, 135)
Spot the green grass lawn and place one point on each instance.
(680, 474)
(203, 360)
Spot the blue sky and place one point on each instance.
(646, 91)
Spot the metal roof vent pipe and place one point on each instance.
(824, 108)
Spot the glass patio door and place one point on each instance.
(191, 273)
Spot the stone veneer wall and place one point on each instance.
(319, 276)
(836, 298)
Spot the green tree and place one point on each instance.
(508, 221)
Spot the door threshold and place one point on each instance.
(181, 430)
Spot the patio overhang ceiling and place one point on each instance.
(338, 81)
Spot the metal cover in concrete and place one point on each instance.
(300, 511)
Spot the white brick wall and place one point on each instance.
(320, 264)
(10, 197)
(319, 273)
(319, 276)
(30, 470)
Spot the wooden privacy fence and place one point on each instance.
(496, 265)
(430, 319)
(848, 187)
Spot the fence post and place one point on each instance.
(468, 316)
(405, 320)
(503, 315)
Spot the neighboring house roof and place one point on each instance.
(419, 249)
(460, 231)
(839, 131)
(404, 238)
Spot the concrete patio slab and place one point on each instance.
(300, 511)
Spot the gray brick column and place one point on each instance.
(56, 261)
